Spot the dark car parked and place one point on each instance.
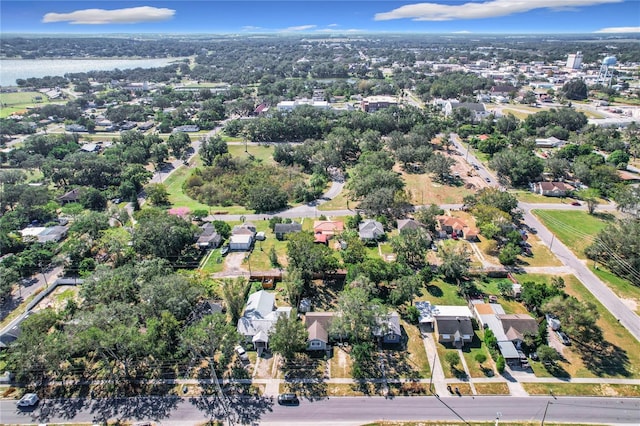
(288, 399)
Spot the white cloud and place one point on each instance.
(332, 25)
(300, 28)
(338, 31)
(131, 15)
(462, 32)
(619, 30)
(488, 9)
(251, 28)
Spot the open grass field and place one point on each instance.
(425, 190)
(340, 202)
(22, 98)
(582, 389)
(576, 229)
(262, 153)
(629, 293)
(530, 197)
(542, 256)
(439, 292)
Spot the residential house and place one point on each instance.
(429, 312)
(551, 142)
(146, 125)
(375, 103)
(503, 90)
(282, 229)
(259, 317)
(388, 328)
(90, 147)
(408, 224)
(242, 237)
(75, 128)
(44, 235)
(328, 228)
(516, 326)
(455, 330)
(478, 110)
(72, 196)
(318, 324)
(187, 128)
(370, 230)
(209, 238)
(450, 226)
(552, 189)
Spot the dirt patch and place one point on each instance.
(233, 264)
(57, 299)
(264, 367)
(631, 304)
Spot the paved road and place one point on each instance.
(626, 316)
(349, 410)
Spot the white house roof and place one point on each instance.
(428, 311)
(260, 304)
(240, 239)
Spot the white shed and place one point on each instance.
(240, 242)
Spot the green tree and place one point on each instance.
(356, 315)
(210, 148)
(440, 166)
(411, 247)
(157, 194)
(427, 216)
(547, 355)
(453, 359)
(93, 199)
(293, 286)
(160, 234)
(480, 358)
(234, 293)
(289, 336)
(591, 197)
(309, 258)
(575, 89)
(509, 254)
(505, 288)
(179, 142)
(501, 364)
(455, 263)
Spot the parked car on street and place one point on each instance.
(288, 399)
(28, 400)
(576, 203)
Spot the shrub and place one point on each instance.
(500, 364)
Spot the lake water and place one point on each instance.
(13, 69)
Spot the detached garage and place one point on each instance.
(240, 242)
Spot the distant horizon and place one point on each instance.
(328, 17)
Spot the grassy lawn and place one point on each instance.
(498, 388)
(426, 191)
(262, 153)
(621, 356)
(490, 287)
(542, 256)
(471, 350)
(214, 263)
(530, 197)
(517, 113)
(338, 203)
(623, 360)
(575, 229)
(259, 257)
(417, 355)
(464, 388)
(442, 352)
(22, 99)
(621, 287)
(582, 389)
(340, 364)
(439, 292)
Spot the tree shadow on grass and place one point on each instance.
(605, 359)
(435, 291)
(305, 376)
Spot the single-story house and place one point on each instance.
(370, 230)
(318, 324)
(247, 228)
(388, 329)
(187, 128)
(429, 312)
(552, 189)
(449, 225)
(456, 330)
(240, 242)
(503, 90)
(72, 196)
(209, 238)
(321, 238)
(408, 224)
(551, 142)
(75, 128)
(259, 318)
(282, 229)
(90, 147)
(44, 235)
(516, 326)
(328, 227)
(478, 110)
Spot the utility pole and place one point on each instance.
(544, 416)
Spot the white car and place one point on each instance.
(242, 354)
(28, 400)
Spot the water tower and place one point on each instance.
(606, 70)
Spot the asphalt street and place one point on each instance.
(346, 410)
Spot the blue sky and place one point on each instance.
(317, 17)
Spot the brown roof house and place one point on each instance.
(455, 330)
(318, 324)
(72, 196)
(408, 224)
(323, 230)
(450, 225)
(516, 326)
(552, 189)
